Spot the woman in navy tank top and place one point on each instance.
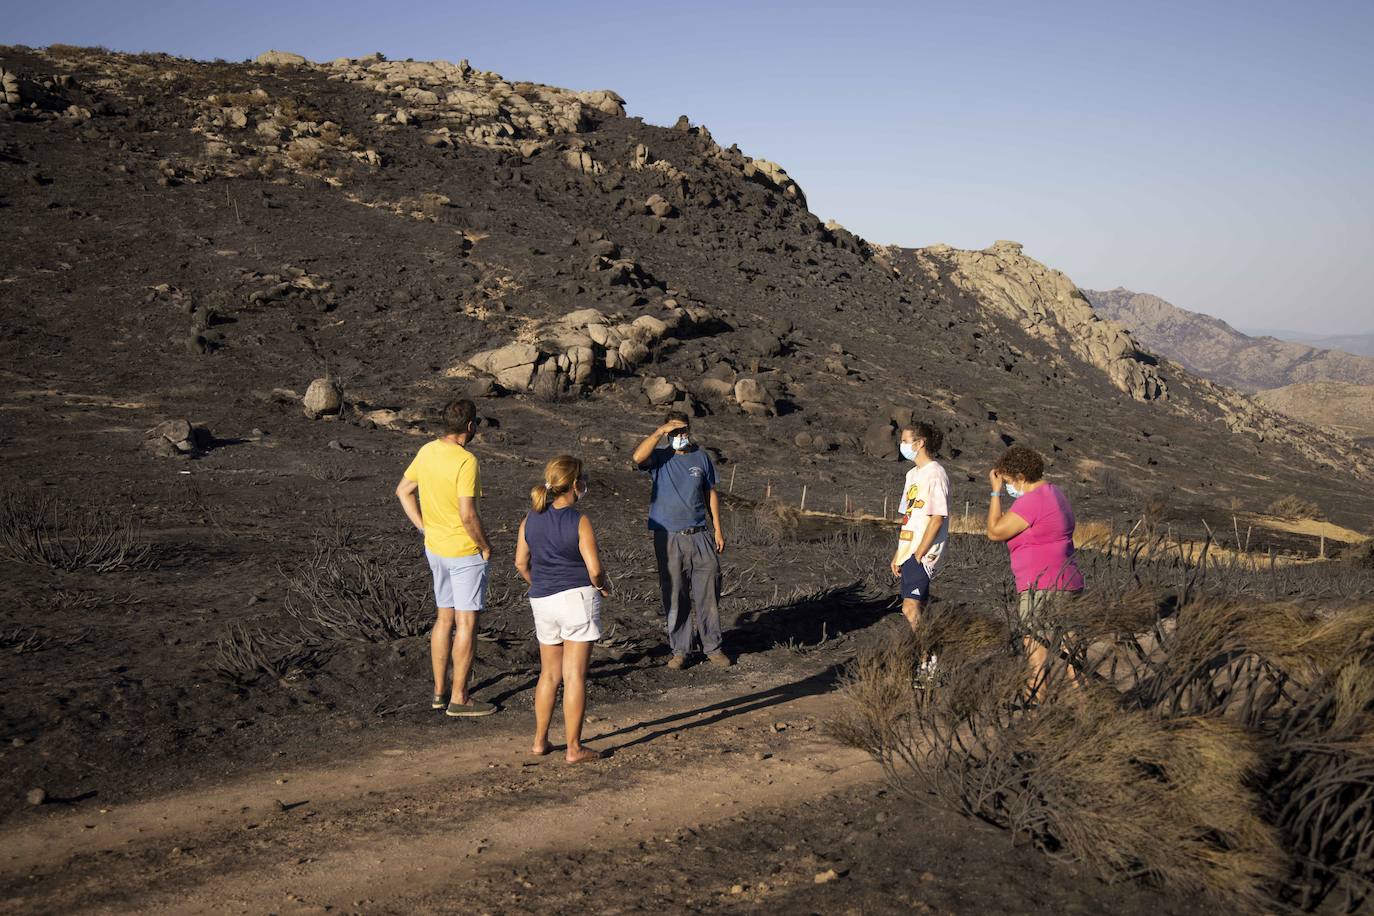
(556, 554)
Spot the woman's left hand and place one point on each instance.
(996, 480)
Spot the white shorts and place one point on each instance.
(573, 615)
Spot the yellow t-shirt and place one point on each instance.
(445, 472)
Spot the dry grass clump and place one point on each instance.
(1322, 789)
(776, 518)
(768, 523)
(344, 593)
(45, 530)
(243, 655)
(1292, 506)
(1219, 746)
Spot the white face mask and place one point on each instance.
(1013, 492)
(680, 442)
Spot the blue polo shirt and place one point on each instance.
(682, 483)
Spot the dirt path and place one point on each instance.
(412, 821)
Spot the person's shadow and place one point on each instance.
(678, 722)
(809, 620)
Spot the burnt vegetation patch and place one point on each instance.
(1203, 727)
(43, 529)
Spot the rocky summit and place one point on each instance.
(210, 240)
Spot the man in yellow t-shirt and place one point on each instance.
(439, 494)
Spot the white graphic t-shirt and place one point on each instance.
(926, 494)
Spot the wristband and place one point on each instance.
(996, 493)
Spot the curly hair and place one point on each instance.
(929, 432)
(1021, 463)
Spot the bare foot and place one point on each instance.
(582, 755)
(541, 748)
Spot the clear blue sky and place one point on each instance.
(1215, 153)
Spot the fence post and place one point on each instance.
(885, 515)
(1323, 553)
(732, 479)
(803, 499)
(768, 494)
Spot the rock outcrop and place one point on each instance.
(455, 103)
(1048, 306)
(587, 347)
(280, 59)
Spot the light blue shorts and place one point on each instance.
(459, 582)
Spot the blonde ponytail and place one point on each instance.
(560, 476)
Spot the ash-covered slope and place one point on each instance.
(1213, 349)
(211, 231)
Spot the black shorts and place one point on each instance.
(915, 580)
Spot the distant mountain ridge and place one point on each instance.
(1212, 348)
(1359, 344)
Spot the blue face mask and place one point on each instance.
(680, 442)
(908, 451)
(1013, 492)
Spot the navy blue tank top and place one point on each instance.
(556, 563)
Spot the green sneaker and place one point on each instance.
(439, 701)
(470, 709)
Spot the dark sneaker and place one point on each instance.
(439, 701)
(719, 659)
(677, 662)
(469, 709)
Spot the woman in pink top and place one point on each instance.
(1038, 531)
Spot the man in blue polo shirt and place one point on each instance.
(687, 547)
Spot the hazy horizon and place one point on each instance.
(1215, 157)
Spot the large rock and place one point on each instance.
(603, 336)
(512, 365)
(659, 206)
(660, 391)
(714, 389)
(604, 101)
(581, 365)
(581, 318)
(583, 162)
(753, 397)
(281, 59)
(177, 438)
(632, 353)
(11, 93)
(652, 328)
(880, 440)
(757, 342)
(323, 397)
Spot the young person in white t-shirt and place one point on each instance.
(924, 507)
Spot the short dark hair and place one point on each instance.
(458, 416)
(677, 416)
(929, 432)
(1021, 463)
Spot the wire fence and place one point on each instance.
(816, 496)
